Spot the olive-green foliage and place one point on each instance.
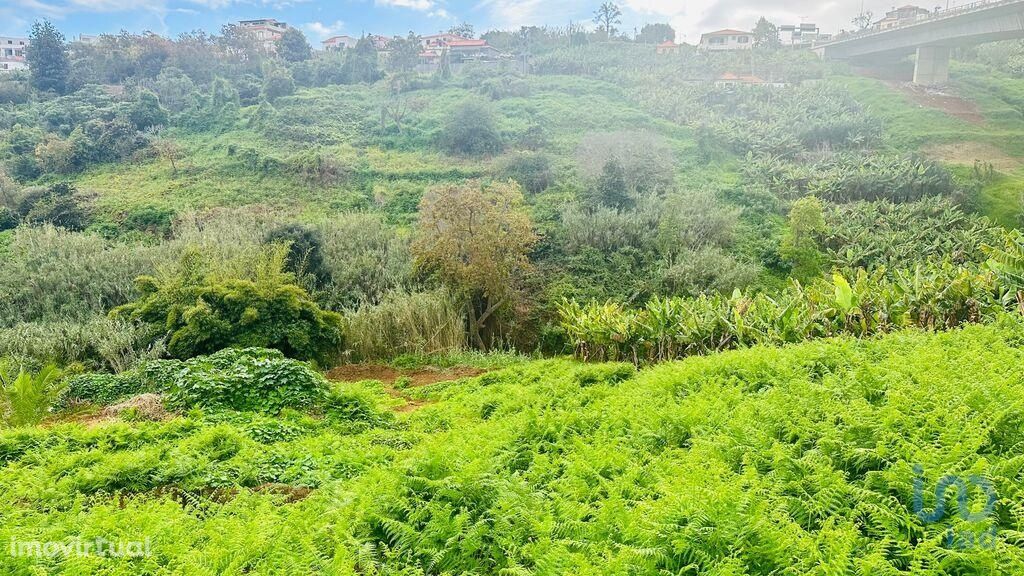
(882, 233)
(99, 342)
(364, 258)
(51, 274)
(532, 170)
(855, 177)
(471, 130)
(798, 460)
(422, 324)
(930, 297)
(200, 311)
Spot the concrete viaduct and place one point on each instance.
(931, 37)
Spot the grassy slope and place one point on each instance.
(342, 122)
(910, 126)
(787, 461)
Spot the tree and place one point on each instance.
(404, 53)
(465, 30)
(277, 82)
(766, 34)
(169, 150)
(361, 62)
(475, 239)
(146, 111)
(799, 244)
(656, 34)
(606, 17)
(47, 57)
(863, 20)
(293, 47)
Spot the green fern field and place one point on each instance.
(804, 459)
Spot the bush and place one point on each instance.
(244, 379)
(26, 399)
(419, 323)
(51, 274)
(201, 312)
(471, 130)
(643, 160)
(305, 254)
(100, 388)
(8, 219)
(532, 170)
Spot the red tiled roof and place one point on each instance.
(726, 31)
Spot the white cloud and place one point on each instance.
(421, 5)
(323, 31)
(515, 13)
(442, 14)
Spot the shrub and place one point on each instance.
(420, 323)
(532, 170)
(244, 379)
(305, 253)
(101, 388)
(929, 297)
(8, 219)
(641, 160)
(201, 312)
(471, 130)
(26, 399)
(99, 342)
(51, 274)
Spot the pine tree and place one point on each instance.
(47, 56)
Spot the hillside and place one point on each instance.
(585, 309)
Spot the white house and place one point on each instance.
(336, 43)
(12, 53)
(266, 31)
(726, 40)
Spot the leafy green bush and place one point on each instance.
(246, 379)
(101, 388)
(471, 130)
(201, 312)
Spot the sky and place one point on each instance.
(320, 19)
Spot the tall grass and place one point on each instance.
(421, 323)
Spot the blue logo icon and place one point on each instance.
(962, 539)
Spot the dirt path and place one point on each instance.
(390, 376)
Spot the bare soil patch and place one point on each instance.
(968, 152)
(940, 100)
(389, 376)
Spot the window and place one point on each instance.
(743, 39)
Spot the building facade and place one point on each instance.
(266, 31)
(726, 40)
(12, 53)
(339, 43)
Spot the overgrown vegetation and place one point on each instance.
(193, 231)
